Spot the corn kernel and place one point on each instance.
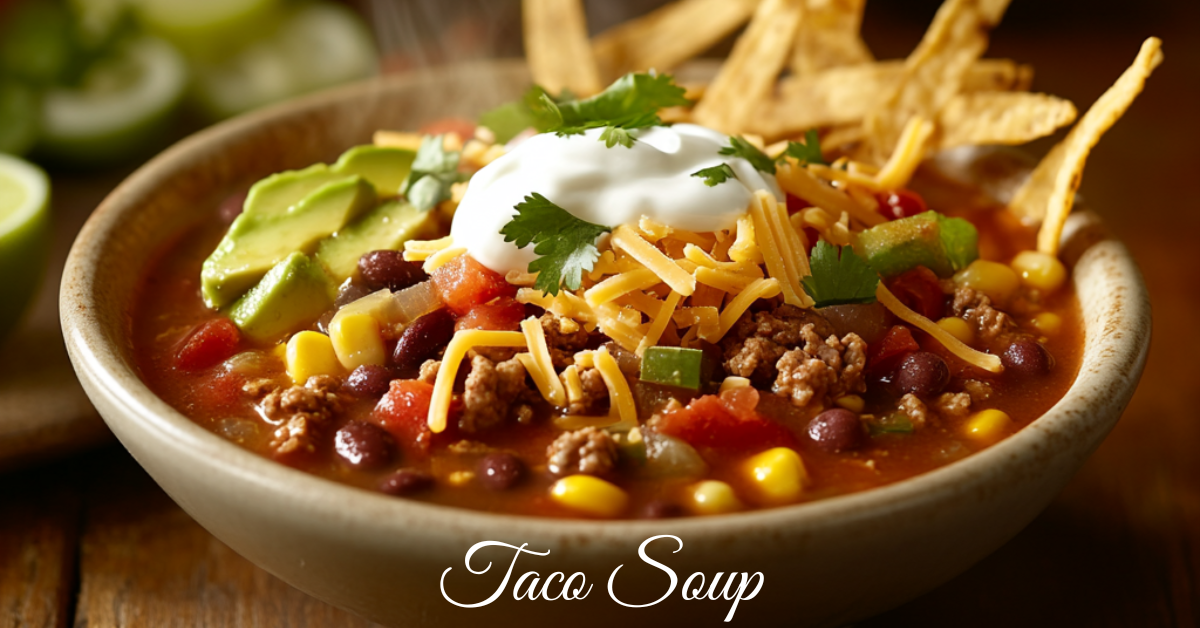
(958, 328)
(1040, 270)
(778, 474)
(589, 495)
(994, 279)
(713, 497)
(1048, 323)
(853, 403)
(460, 478)
(734, 382)
(987, 425)
(357, 340)
(310, 353)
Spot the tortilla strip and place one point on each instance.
(557, 47)
(845, 95)
(747, 78)
(1049, 193)
(668, 36)
(829, 37)
(1001, 118)
(934, 72)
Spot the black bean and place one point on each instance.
(1026, 357)
(837, 430)
(231, 207)
(364, 445)
(349, 293)
(387, 269)
(406, 482)
(661, 509)
(423, 338)
(500, 470)
(921, 373)
(369, 381)
(324, 321)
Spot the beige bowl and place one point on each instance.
(823, 563)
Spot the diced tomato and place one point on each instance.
(461, 126)
(900, 204)
(210, 343)
(810, 239)
(918, 288)
(726, 422)
(883, 356)
(223, 392)
(503, 314)
(404, 412)
(462, 283)
(795, 204)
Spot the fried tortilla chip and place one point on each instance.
(934, 72)
(666, 37)
(747, 79)
(1049, 193)
(557, 46)
(1001, 118)
(829, 37)
(845, 95)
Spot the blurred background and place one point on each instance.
(90, 89)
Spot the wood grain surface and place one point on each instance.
(91, 541)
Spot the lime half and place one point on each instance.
(24, 236)
(121, 109)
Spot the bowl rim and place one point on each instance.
(97, 357)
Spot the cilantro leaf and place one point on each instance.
(434, 170)
(565, 244)
(806, 152)
(719, 173)
(614, 135)
(837, 281)
(739, 147)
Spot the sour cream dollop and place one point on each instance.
(606, 186)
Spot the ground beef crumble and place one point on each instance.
(493, 392)
(595, 393)
(759, 339)
(301, 412)
(952, 404)
(589, 450)
(822, 369)
(565, 338)
(915, 409)
(976, 308)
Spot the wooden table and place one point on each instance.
(91, 541)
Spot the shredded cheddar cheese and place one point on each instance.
(985, 361)
(463, 341)
(539, 364)
(667, 270)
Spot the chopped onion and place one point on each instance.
(414, 302)
(667, 456)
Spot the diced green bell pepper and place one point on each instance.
(941, 244)
(676, 366)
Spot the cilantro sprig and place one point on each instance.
(434, 170)
(714, 175)
(565, 244)
(839, 281)
(739, 147)
(806, 152)
(631, 102)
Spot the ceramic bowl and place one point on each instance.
(400, 562)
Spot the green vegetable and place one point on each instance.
(943, 245)
(631, 102)
(509, 119)
(839, 281)
(806, 152)
(289, 297)
(676, 366)
(566, 245)
(739, 147)
(893, 423)
(715, 175)
(434, 170)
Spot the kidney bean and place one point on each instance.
(422, 339)
(364, 445)
(387, 269)
(921, 373)
(1026, 357)
(406, 482)
(368, 381)
(231, 207)
(349, 293)
(661, 509)
(837, 430)
(500, 470)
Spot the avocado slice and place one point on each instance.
(388, 226)
(255, 243)
(384, 168)
(290, 296)
(929, 239)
